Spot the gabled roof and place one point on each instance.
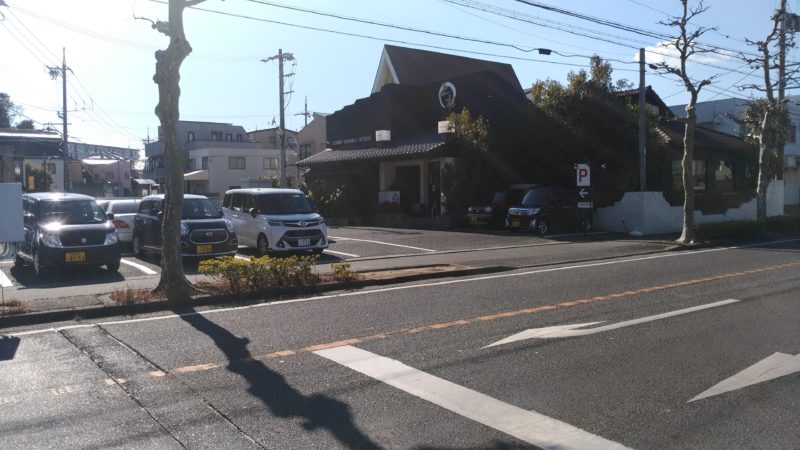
(650, 97)
(670, 132)
(400, 150)
(402, 65)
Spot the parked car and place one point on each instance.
(493, 212)
(275, 220)
(121, 213)
(66, 230)
(544, 208)
(204, 231)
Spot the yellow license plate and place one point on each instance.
(473, 218)
(203, 249)
(75, 257)
(515, 223)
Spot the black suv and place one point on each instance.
(204, 232)
(66, 230)
(544, 208)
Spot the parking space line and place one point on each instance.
(238, 256)
(349, 255)
(4, 280)
(527, 425)
(144, 269)
(382, 243)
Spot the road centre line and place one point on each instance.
(457, 281)
(349, 255)
(381, 243)
(141, 267)
(529, 426)
(4, 280)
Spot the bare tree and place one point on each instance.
(767, 118)
(173, 280)
(686, 45)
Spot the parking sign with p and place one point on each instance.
(583, 175)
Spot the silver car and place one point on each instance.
(121, 213)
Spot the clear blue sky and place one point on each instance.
(112, 95)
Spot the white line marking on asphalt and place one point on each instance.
(562, 331)
(413, 286)
(382, 243)
(529, 426)
(349, 255)
(238, 256)
(4, 280)
(144, 269)
(774, 366)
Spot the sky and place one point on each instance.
(110, 54)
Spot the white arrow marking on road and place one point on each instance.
(583, 193)
(562, 331)
(529, 426)
(775, 366)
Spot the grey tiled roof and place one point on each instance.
(396, 151)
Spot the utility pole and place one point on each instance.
(281, 57)
(305, 112)
(55, 72)
(642, 126)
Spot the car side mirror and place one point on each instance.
(160, 215)
(110, 216)
(253, 212)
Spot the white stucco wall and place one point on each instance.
(650, 213)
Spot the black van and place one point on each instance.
(204, 232)
(543, 208)
(66, 230)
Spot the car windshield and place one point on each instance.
(71, 212)
(283, 204)
(199, 208)
(499, 197)
(535, 197)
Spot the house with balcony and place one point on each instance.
(220, 156)
(724, 116)
(269, 140)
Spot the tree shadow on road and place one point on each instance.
(271, 388)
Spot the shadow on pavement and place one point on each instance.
(272, 389)
(8, 347)
(62, 277)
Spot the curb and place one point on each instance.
(281, 293)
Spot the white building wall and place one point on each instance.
(221, 177)
(650, 213)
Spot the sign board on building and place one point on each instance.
(585, 205)
(388, 197)
(583, 175)
(11, 226)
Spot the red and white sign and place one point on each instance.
(583, 175)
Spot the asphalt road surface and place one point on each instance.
(672, 350)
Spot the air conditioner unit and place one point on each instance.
(791, 162)
(383, 135)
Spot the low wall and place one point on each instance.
(650, 213)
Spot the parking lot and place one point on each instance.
(347, 243)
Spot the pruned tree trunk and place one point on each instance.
(764, 174)
(7, 161)
(687, 164)
(173, 280)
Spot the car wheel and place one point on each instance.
(262, 245)
(318, 251)
(113, 266)
(38, 267)
(18, 261)
(542, 226)
(136, 243)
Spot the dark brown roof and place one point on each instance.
(414, 66)
(650, 97)
(391, 151)
(670, 132)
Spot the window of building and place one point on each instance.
(109, 176)
(238, 137)
(216, 135)
(700, 172)
(190, 136)
(236, 162)
(791, 132)
(273, 140)
(228, 137)
(270, 162)
(204, 162)
(51, 168)
(191, 164)
(723, 176)
(305, 151)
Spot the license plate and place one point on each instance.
(75, 257)
(515, 223)
(303, 242)
(203, 249)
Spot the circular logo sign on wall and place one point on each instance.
(447, 95)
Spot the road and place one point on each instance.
(649, 351)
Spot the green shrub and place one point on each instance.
(258, 274)
(743, 229)
(342, 272)
(784, 224)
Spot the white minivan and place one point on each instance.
(275, 220)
